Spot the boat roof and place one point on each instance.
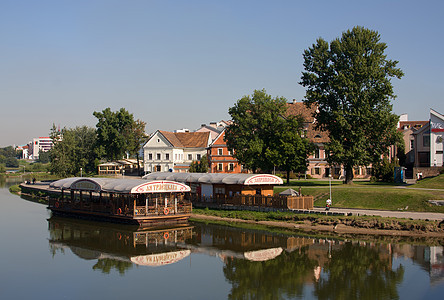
(123, 186)
(217, 178)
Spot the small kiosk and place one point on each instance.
(131, 201)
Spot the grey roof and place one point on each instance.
(111, 185)
(216, 178)
(289, 192)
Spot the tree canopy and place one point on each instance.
(118, 133)
(349, 80)
(73, 149)
(263, 137)
(200, 166)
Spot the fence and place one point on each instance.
(278, 202)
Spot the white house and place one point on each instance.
(174, 151)
(436, 138)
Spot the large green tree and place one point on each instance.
(118, 133)
(73, 149)
(349, 80)
(262, 137)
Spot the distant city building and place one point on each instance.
(43, 144)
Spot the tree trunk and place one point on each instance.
(288, 177)
(138, 165)
(348, 174)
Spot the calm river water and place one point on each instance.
(43, 257)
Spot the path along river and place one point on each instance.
(43, 257)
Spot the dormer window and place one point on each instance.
(317, 136)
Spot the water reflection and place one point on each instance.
(118, 247)
(257, 264)
(10, 181)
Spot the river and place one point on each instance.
(43, 257)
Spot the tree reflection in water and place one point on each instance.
(107, 264)
(284, 276)
(358, 272)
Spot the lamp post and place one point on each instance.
(329, 179)
(123, 173)
(81, 172)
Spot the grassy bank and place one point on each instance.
(367, 195)
(364, 222)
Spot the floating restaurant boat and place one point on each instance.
(131, 201)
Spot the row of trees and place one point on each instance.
(349, 81)
(82, 148)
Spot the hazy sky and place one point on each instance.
(178, 64)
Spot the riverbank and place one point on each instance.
(341, 224)
(368, 225)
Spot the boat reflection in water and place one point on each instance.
(117, 246)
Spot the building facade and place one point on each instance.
(174, 151)
(220, 159)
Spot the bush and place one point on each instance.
(385, 170)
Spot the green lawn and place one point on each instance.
(364, 194)
(431, 183)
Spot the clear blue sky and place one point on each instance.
(178, 64)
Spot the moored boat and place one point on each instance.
(132, 201)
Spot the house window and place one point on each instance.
(231, 167)
(190, 156)
(158, 140)
(317, 153)
(220, 167)
(150, 156)
(230, 152)
(316, 171)
(220, 151)
(158, 156)
(167, 156)
(412, 144)
(198, 156)
(426, 141)
(219, 190)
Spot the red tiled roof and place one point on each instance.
(300, 109)
(187, 139)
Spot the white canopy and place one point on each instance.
(124, 186)
(217, 178)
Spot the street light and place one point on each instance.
(328, 204)
(329, 179)
(81, 172)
